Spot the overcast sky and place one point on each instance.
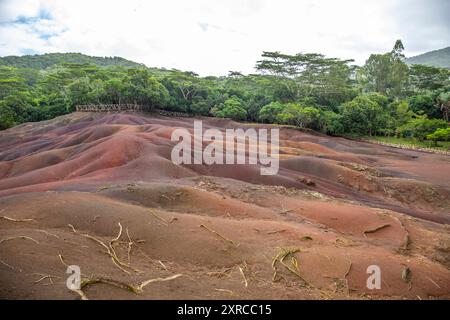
(212, 37)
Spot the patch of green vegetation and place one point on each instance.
(309, 91)
(442, 145)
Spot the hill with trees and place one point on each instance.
(385, 97)
(437, 58)
(47, 60)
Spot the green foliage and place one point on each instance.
(424, 104)
(421, 127)
(444, 104)
(426, 78)
(439, 135)
(44, 61)
(363, 116)
(295, 114)
(386, 73)
(232, 108)
(331, 123)
(270, 111)
(379, 99)
(142, 88)
(328, 80)
(437, 58)
(7, 116)
(307, 90)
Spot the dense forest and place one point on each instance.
(385, 97)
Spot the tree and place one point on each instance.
(426, 78)
(232, 108)
(114, 91)
(439, 135)
(7, 117)
(444, 104)
(270, 111)
(379, 99)
(24, 106)
(142, 88)
(304, 117)
(419, 128)
(329, 80)
(79, 90)
(397, 51)
(331, 123)
(425, 104)
(363, 116)
(386, 73)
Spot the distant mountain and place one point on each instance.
(437, 58)
(42, 61)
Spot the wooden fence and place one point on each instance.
(128, 107)
(111, 107)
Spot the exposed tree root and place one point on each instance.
(220, 274)
(49, 234)
(61, 258)
(16, 220)
(45, 276)
(6, 265)
(88, 281)
(81, 293)
(284, 252)
(219, 235)
(159, 263)
(136, 289)
(292, 267)
(226, 291)
(158, 217)
(433, 282)
(243, 276)
(119, 284)
(18, 237)
(376, 229)
(110, 249)
(145, 283)
(162, 265)
(130, 245)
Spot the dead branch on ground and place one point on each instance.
(219, 235)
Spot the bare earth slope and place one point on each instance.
(100, 191)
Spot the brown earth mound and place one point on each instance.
(100, 191)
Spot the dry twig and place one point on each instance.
(243, 276)
(219, 235)
(158, 217)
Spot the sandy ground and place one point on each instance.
(100, 191)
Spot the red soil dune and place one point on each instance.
(68, 186)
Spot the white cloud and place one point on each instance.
(213, 37)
